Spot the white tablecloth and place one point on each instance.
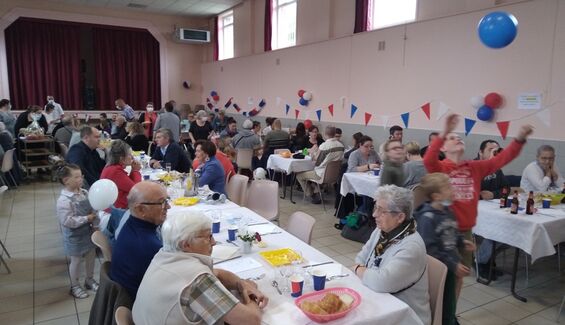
(360, 183)
(290, 165)
(534, 234)
(375, 308)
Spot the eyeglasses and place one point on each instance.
(209, 237)
(379, 210)
(396, 148)
(163, 203)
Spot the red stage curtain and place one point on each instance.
(268, 25)
(361, 16)
(43, 59)
(126, 66)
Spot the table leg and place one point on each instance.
(292, 184)
(283, 176)
(514, 271)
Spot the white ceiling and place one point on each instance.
(195, 8)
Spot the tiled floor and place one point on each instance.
(37, 290)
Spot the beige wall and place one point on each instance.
(440, 60)
(179, 62)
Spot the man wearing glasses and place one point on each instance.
(139, 240)
(542, 175)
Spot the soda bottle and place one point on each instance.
(515, 203)
(503, 198)
(530, 203)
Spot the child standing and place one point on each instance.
(76, 217)
(437, 225)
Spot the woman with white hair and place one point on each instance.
(181, 287)
(394, 259)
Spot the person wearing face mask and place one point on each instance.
(57, 112)
(438, 228)
(6, 116)
(32, 113)
(169, 120)
(147, 119)
(466, 176)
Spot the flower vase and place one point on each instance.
(247, 247)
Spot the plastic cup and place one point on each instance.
(376, 171)
(232, 230)
(546, 203)
(509, 201)
(319, 278)
(296, 285)
(146, 177)
(216, 226)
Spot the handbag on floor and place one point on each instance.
(360, 231)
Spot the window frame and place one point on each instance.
(374, 25)
(222, 55)
(278, 6)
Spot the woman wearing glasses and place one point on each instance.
(365, 158)
(394, 259)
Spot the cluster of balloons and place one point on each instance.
(215, 96)
(486, 106)
(102, 194)
(305, 97)
(497, 29)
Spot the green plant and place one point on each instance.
(250, 237)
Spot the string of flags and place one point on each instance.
(440, 108)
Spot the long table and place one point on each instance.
(535, 234)
(375, 308)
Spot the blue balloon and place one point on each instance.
(485, 113)
(213, 93)
(497, 29)
(303, 102)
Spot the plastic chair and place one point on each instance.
(419, 196)
(437, 272)
(243, 159)
(7, 166)
(300, 225)
(263, 198)
(64, 149)
(123, 316)
(100, 240)
(236, 189)
(331, 176)
(2, 261)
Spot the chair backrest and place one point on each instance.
(64, 149)
(123, 316)
(236, 189)
(331, 174)
(437, 271)
(263, 198)
(100, 240)
(419, 196)
(244, 158)
(8, 160)
(228, 176)
(300, 225)
(109, 296)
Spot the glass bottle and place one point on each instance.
(530, 203)
(515, 203)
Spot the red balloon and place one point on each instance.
(301, 92)
(307, 124)
(216, 98)
(493, 100)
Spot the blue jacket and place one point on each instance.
(438, 228)
(132, 253)
(212, 174)
(88, 160)
(173, 155)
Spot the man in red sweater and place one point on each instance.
(466, 175)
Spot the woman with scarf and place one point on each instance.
(394, 259)
(147, 120)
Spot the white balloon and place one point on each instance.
(307, 95)
(477, 101)
(102, 194)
